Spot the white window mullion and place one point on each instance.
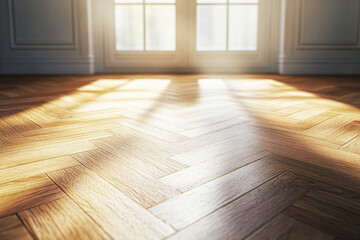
(227, 25)
(236, 25)
(144, 25)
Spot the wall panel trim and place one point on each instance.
(42, 45)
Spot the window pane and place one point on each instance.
(211, 1)
(128, 1)
(160, 1)
(211, 28)
(243, 25)
(160, 27)
(244, 1)
(129, 27)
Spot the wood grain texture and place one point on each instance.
(11, 228)
(247, 213)
(328, 213)
(151, 166)
(36, 168)
(8, 133)
(117, 214)
(211, 196)
(179, 157)
(18, 121)
(198, 174)
(216, 149)
(337, 182)
(140, 187)
(26, 193)
(283, 227)
(353, 145)
(61, 219)
(16, 155)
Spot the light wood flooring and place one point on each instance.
(179, 157)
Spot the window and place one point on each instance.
(226, 25)
(188, 35)
(145, 25)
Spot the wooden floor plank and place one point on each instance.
(322, 156)
(329, 127)
(152, 131)
(19, 122)
(157, 166)
(73, 136)
(211, 155)
(209, 197)
(284, 228)
(244, 215)
(198, 174)
(11, 228)
(15, 156)
(209, 128)
(140, 187)
(61, 219)
(26, 193)
(326, 215)
(319, 174)
(214, 137)
(118, 215)
(8, 133)
(353, 145)
(36, 168)
(204, 153)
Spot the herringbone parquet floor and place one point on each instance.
(179, 157)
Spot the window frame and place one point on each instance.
(229, 60)
(227, 5)
(143, 4)
(186, 58)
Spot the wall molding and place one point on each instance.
(321, 57)
(42, 45)
(324, 45)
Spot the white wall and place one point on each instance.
(320, 37)
(45, 37)
(55, 37)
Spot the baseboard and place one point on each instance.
(264, 70)
(325, 67)
(15, 67)
(286, 67)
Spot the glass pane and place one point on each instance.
(160, 1)
(129, 27)
(211, 1)
(128, 1)
(243, 26)
(244, 1)
(211, 28)
(160, 27)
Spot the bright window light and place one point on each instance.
(226, 25)
(148, 25)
